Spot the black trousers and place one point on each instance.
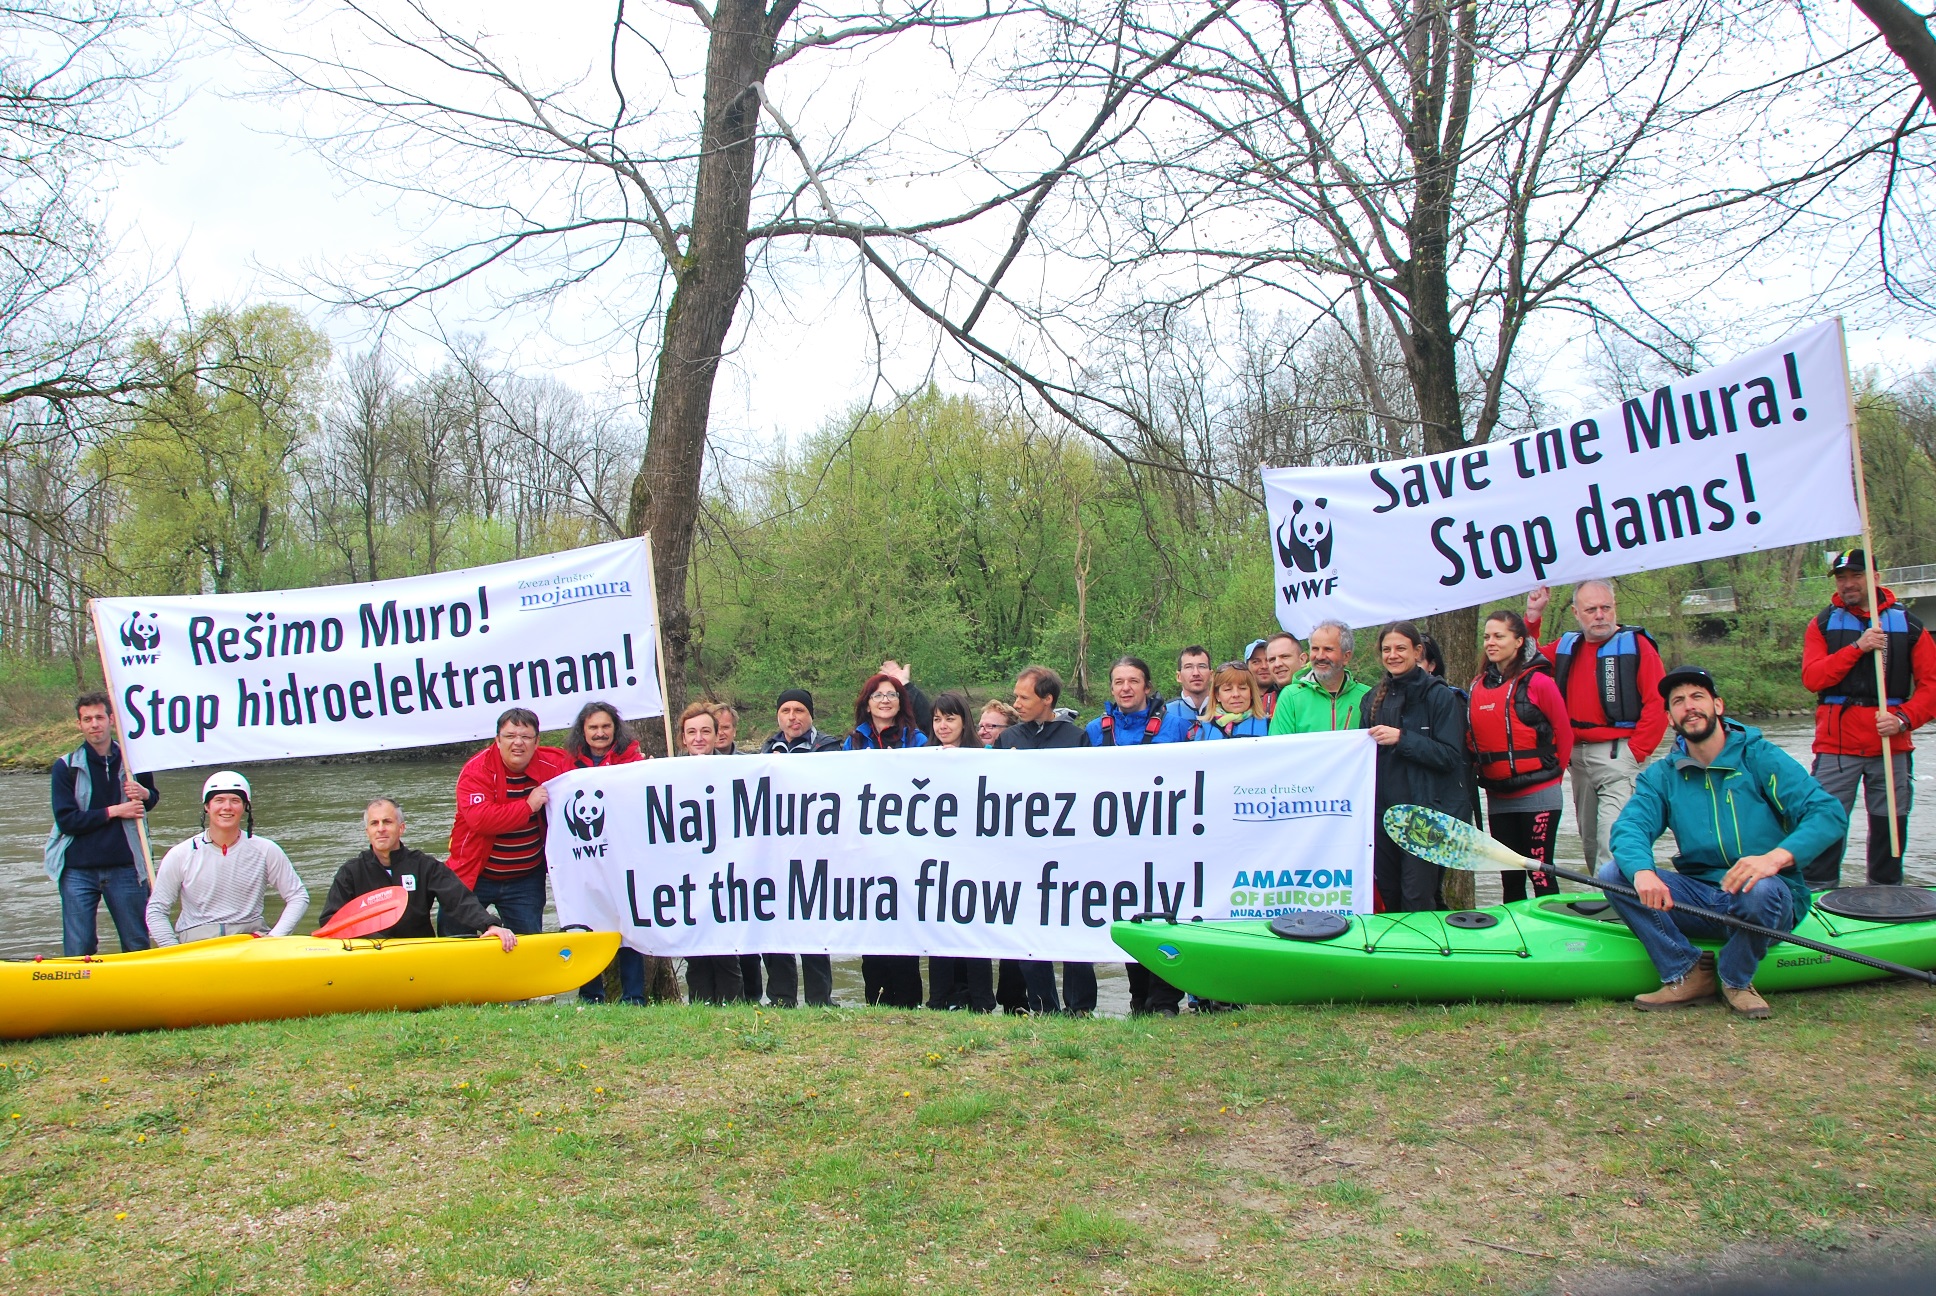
(1406, 883)
(1532, 836)
(1825, 870)
(1011, 992)
(961, 983)
(783, 979)
(783, 982)
(1150, 993)
(1037, 981)
(892, 980)
(715, 979)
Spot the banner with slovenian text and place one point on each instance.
(1751, 455)
(222, 678)
(1027, 855)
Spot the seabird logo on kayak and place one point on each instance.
(585, 818)
(64, 974)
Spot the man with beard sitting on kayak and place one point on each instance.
(423, 878)
(1742, 812)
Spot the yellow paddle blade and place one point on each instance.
(1440, 839)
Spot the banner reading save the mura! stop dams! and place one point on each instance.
(209, 679)
(1753, 454)
(1008, 854)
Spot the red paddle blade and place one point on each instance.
(370, 912)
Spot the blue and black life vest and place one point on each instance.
(1617, 673)
(1841, 627)
(1152, 727)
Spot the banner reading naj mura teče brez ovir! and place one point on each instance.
(210, 679)
(1751, 455)
(1025, 855)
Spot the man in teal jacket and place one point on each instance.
(1743, 813)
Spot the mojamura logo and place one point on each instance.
(1274, 809)
(1289, 890)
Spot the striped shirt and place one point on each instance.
(517, 852)
(224, 886)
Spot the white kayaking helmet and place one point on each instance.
(227, 781)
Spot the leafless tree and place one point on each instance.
(651, 178)
(1451, 170)
(82, 89)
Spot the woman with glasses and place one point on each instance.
(884, 717)
(995, 717)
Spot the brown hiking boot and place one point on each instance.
(1745, 1001)
(1698, 986)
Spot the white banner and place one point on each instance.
(1751, 455)
(1025, 855)
(226, 678)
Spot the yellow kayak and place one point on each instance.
(243, 978)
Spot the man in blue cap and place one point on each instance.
(1743, 813)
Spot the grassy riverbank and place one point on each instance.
(540, 1148)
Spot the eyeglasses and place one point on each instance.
(885, 695)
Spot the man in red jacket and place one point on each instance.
(497, 845)
(1610, 675)
(1838, 666)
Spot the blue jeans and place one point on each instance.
(81, 893)
(1665, 934)
(631, 980)
(519, 900)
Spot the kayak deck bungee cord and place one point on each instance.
(243, 978)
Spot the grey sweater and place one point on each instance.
(217, 886)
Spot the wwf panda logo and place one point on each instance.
(141, 635)
(584, 816)
(1304, 538)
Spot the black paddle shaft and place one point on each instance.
(1884, 965)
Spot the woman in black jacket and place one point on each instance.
(1418, 722)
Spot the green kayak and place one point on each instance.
(1569, 946)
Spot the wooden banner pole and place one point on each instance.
(1868, 577)
(120, 732)
(658, 652)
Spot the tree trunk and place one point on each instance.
(1909, 39)
(708, 280)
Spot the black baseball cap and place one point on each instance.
(1687, 675)
(1849, 560)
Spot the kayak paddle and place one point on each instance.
(1440, 839)
(372, 911)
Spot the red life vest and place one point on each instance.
(1512, 740)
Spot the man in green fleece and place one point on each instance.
(1325, 697)
(1743, 813)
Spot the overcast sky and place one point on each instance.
(241, 210)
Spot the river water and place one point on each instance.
(315, 813)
